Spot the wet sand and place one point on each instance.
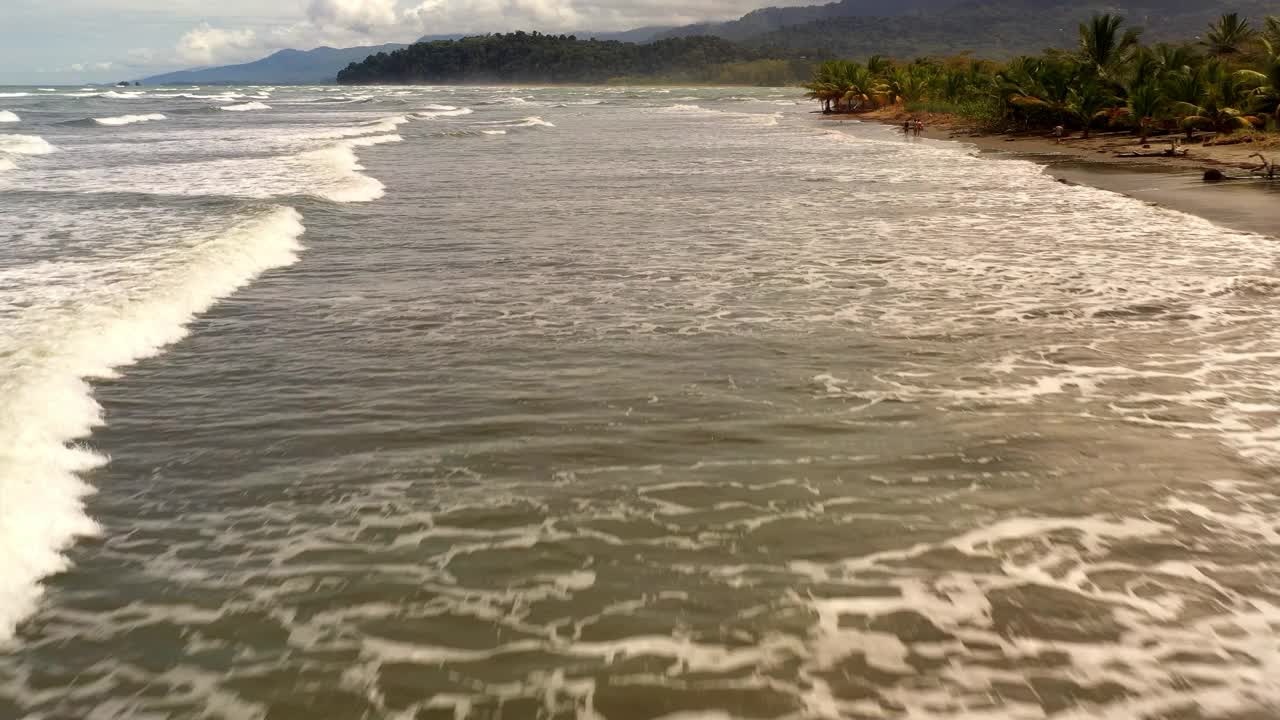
(1252, 205)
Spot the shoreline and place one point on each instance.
(1174, 183)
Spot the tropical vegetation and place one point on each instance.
(538, 58)
(1228, 80)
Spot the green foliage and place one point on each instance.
(1109, 79)
(1104, 49)
(1145, 105)
(843, 85)
(537, 58)
(1228, 36)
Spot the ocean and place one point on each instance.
(614, 404)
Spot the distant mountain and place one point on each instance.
(764, 20)
(321, 65)
(637, 35)
(284, 67)
(433, 38)
(987, 28)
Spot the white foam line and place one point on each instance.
(49, 405)
(24, 145)
(243, 107)
(129, 119)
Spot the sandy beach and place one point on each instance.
(1177, 183)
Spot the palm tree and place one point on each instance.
(1264, 87)
(1145, 103)
(1228, 36)
(1150, 64)
(1209, 97)
(1103, 48)
(1086, 101)
(1271, 31)
(951, 84)
(907, 84)
(1035, 87)
(838, 85)
(879, 65)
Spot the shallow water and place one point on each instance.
(615, 403)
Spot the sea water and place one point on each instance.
(614, 403)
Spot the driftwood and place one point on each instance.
(1175, 150)
(1268, 170)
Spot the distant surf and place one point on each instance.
(24, 145)
(129, 119)
(242, 107)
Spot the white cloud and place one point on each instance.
(209, 45)
(443, 16)
(361, 16)
(450, 16)
(94, 67)
(347, 23)
(141, 56)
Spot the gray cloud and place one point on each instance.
(167, 34)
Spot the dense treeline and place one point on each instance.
(992, 29)
(537, 58)
(1227, 81)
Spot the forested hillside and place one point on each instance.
(538, 58)
(985, 28)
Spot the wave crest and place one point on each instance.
(129, 119)
(243, 107)
(50, 351)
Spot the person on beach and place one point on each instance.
(1058, 132)
(919, 127)
(906, 126)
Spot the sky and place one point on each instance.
(52, 42)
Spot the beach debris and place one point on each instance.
(1268, 169)
(1213, 175)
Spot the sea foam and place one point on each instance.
(242, 107)
(24, 145)
(129, 119)
(46, 354)
(435, 111)
(8, 117)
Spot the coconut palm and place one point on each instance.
(1228, 36)
(1145, 103)
(1150, 64)
(907, 84)
(841, 85)
(1263, 87)
(1271, 31)
(1216, 101)
(1036, 88)
(878, 65)
(1103, 47)
(1086, 101)
(951, 84)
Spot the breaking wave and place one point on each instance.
(244, 107)
(49, 352)
(129, 119)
